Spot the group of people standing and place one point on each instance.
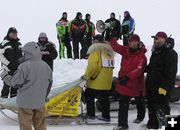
(27, 73)
(78, 31)
(25, 70)
(160, 78)
(11, 55)
(82, 31)
(131, 83)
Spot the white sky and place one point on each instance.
(31, 17)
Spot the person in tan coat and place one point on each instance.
(98, 74)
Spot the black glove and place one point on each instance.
(82, 77)
(120, 36)
(84, 37)
(13, 66)
(123, 80)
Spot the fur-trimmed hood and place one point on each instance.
(100, 47)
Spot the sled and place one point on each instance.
(62, 101)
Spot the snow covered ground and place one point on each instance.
(69, 70)
(34, 16)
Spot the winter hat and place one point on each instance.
(64, 13)
(12, 30)
(112, 15)
(87, 15)
(126, 14)
(160, 34)
(78, 14)
(134, 37)
(42, 34)
(99, 37)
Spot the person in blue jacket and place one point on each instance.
(128, 27)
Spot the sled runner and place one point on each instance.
(62, 101)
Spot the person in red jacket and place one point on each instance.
(130, 81)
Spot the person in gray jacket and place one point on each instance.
(33, 79)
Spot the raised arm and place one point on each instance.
(116, 47)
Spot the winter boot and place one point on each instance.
(121, 128)
(103, 119)
(137, 121)
(90, 117)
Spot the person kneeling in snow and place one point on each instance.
(33, 79)
(98, 74)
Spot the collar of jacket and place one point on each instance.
(100, 47)
(11, 40)
(161, 49)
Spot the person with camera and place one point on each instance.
(130, 81)
(10, 52)
(115, 29)
(78, 30)
(161, 75)
(128, 27)
(48, 50)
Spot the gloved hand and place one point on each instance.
(84, 37)
(120, 36)
(45, 53)
(3, 74)
(13, 66)
(6, 77)
(83, 77)
(126, 35)
(162, 91)
(123, 80)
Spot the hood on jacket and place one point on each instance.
(78, 14)
(100, 47)
(31, 51)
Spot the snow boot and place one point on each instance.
(137, 121)
(121, 128)
(103, 119)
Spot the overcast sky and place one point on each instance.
(31, 17)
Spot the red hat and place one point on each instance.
(134, 37)
(160, 34)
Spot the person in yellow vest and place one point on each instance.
(98, 75)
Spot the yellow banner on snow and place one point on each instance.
(65, 104)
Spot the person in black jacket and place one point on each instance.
(161, 75)
(10, 52)
(91, 30)
(115, 31)
(48, 50)
(78, 31)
